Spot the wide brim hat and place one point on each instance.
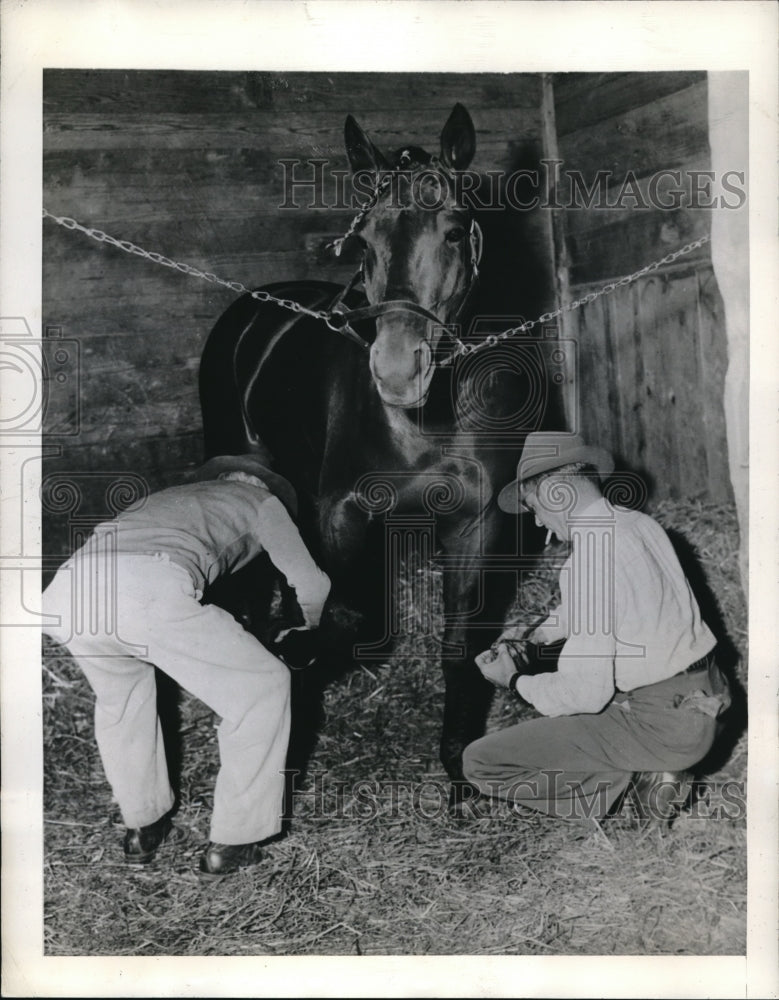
(545, 451)
(256, 465)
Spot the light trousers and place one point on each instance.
(120, 615)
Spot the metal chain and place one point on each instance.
(338, 320)
(493, 339)
(157, 258)
(338, 245)
(383, 181)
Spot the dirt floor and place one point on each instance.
(372, 863)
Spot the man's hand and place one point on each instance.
(497, 665)
(294, 628)
(297, 646)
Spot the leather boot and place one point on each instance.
(140, 844)
(659, 795)
(225, 859)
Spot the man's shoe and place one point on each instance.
(140, 845)
(225, 859)
(659, 795)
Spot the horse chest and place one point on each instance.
(413, 448)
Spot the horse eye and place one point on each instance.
(455, 235)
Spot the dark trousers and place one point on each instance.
(577, 766)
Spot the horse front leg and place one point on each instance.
(353, 556)
(475, 605)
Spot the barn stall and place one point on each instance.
(193, 166)
(198, 167)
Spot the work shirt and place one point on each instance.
(626, 610)
(216, 527)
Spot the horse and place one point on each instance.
(394, 430)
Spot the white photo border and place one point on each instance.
(354, 35)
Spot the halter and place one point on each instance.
(342, 317)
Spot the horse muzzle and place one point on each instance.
(402, 368)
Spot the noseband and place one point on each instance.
(341, 317)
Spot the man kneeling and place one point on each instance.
(637, 690)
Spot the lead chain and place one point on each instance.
(493, 339)
(326, 316)
(236, 286)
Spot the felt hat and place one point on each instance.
(548, 450)
(256, 463)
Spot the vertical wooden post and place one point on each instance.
(728, 136)
(560, 257)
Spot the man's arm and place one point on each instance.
(584, 679)
(281, 540)
(583, 682)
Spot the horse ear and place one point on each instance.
(458, 139)
(363, 155)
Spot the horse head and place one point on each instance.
(420, 252)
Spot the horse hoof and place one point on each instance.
(467, 802)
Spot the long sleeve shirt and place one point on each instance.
(627, 614)
(216, 527)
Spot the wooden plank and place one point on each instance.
(135, 385)
(128, 290)
(670, 130)
(161, 460)
(616, 203)
(609, 325)
(122, 412)
(183, 92)
(646, 389)
(586, 99)
(172, 170)
(616, 330)
(181, 236)
(629, 376)
(685, 389)
(596, 421)
(162, 457)
(624, 247)
(657, 466)
(559, 256)
(713, 364)
(295, 133)
(609, 376)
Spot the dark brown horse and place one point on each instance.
(401, 441)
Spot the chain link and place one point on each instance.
(337, 321)
(462, 348)
(337, 245)
(157, 258)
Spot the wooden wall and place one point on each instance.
(187, 164)
(651, 356)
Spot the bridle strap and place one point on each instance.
(340, 317)
(383, 308)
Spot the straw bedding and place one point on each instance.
(371, 863)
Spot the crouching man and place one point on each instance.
(130, 600)
(637, 691)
